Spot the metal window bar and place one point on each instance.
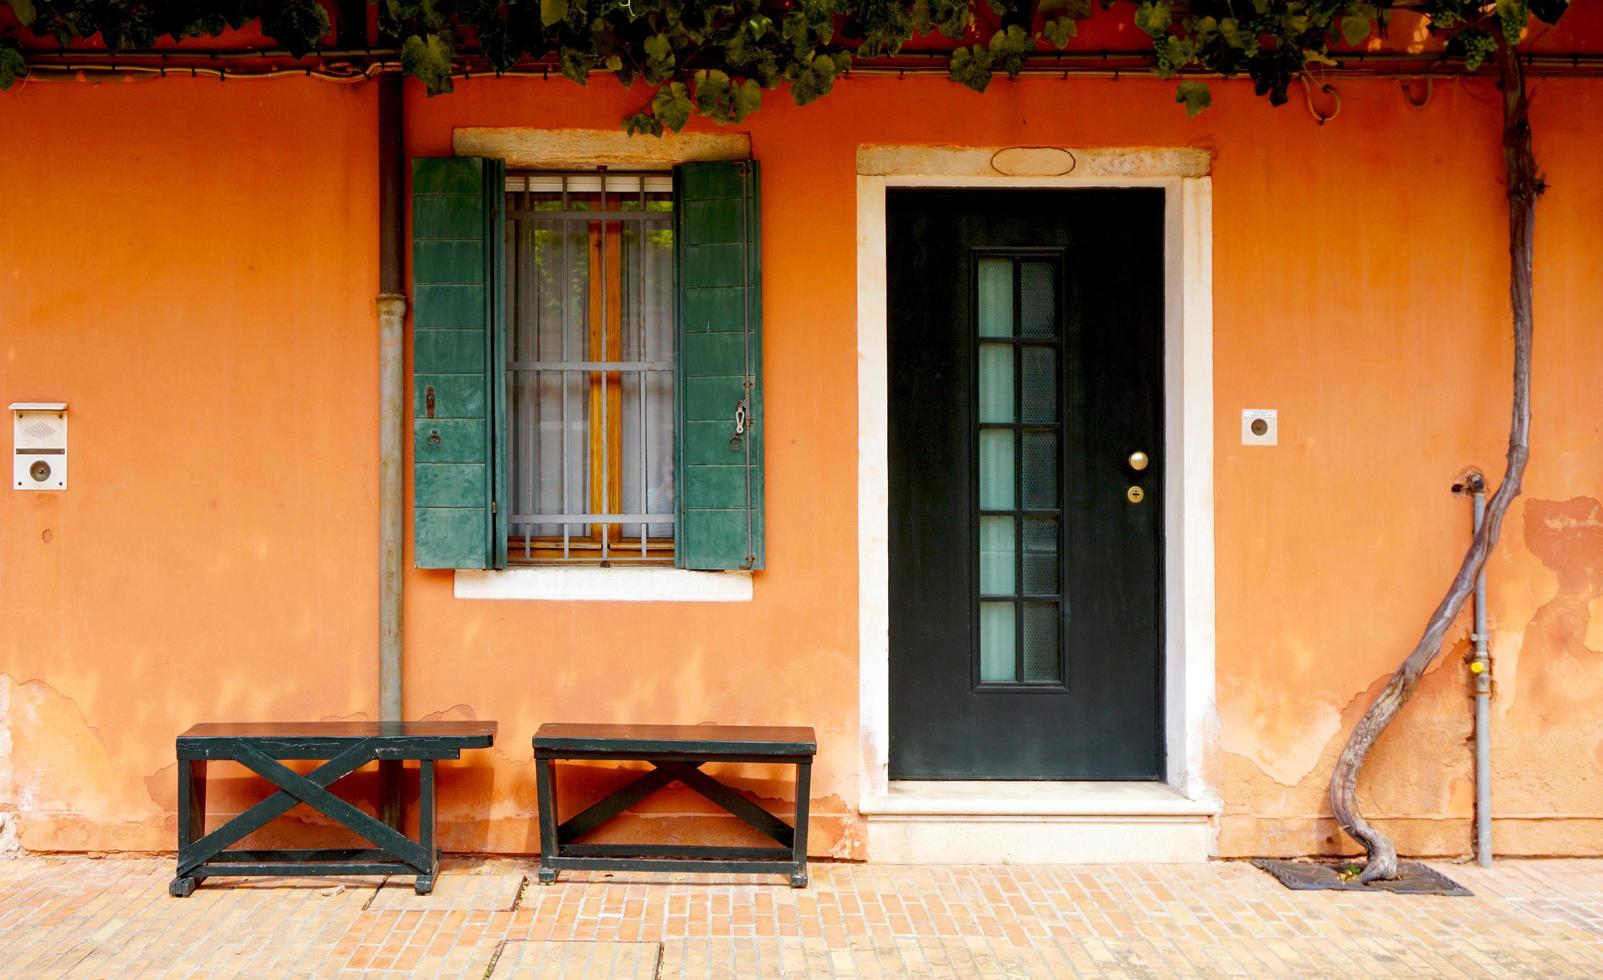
(612, 191)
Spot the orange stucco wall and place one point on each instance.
(192, 266)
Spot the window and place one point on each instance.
(590, 367)
(1018, 437)
(586, 366)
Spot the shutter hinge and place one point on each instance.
(492, 507)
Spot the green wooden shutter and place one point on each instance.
(718, 273)
(457, 362)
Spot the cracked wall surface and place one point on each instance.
(203, 299)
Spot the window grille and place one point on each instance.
(590, 367)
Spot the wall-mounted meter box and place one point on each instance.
(39, 445)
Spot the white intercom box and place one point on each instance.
(39, 445)
(1260, 427)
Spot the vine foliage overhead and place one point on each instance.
(718, 58)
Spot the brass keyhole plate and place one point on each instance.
(1135, 494)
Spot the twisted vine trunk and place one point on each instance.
(1523, 188)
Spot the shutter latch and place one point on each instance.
(740, 424)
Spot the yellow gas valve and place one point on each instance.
(1477, 667)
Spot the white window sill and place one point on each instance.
(583, 584)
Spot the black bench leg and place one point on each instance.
(389, 792)
(804, 779)
(545, 784)
(191, 818)
(425, 825)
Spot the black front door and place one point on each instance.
(1026, 483)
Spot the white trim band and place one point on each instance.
(553, 583)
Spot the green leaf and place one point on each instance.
(24, 11)
(1009, 48)
(552, 11)
(1154, 17)
(671, 105)
(1512, 16)
(429, 61)
(1476, 46)
(12, 66)
(642, 122)
(1194, 96)
(659, 57)
(1060, 31)
(816, 77)
(971, 67)
(1356, 27)
(713, 98)
(748, 98)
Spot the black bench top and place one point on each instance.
(321, 739)
(708, 741)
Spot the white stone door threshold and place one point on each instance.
(1030, 822)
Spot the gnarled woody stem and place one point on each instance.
(1523, 188)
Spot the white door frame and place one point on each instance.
(1183, 173)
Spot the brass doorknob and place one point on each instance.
(1139, 461)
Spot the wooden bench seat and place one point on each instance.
(676, 754)
(347, 746)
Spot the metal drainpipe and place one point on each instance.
(392, 378)
(1480, 665)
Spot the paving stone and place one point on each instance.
(545, 960)
(452, 892)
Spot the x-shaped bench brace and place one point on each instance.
(202, 855)
(559, 847)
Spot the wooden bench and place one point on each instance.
(347, 746)
(676, 754)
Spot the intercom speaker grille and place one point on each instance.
(40, 429)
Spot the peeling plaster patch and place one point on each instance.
(1594, 627)
(1561, 664)
(852, 844)
(1282, 738)
(68, 768)
(10, 843)
(1507, 644)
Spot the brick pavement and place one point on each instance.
(80, 917)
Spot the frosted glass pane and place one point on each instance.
(1041, 642)
(996, 556)
(1040, 384)
(996, 469)
(1040, 470)
(1038, 304)
(997, 642)
(996, 382)
(1040, 556)
(996, 297)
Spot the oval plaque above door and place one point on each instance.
(1032, 161)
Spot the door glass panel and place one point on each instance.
(1038, 299)
(1040, 470)
(1019, 434)
(996, 469)
(996, 297)
(996, 382)
(997, 556)
(1040, 381)
(998, 660)
(1040, 556)
(1040, 642)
